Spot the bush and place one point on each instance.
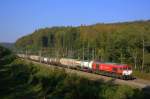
(24, 80)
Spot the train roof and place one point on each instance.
(110, 63)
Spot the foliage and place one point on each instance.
(6, 56)
(21, 79)
(116, 42)
(142, 75)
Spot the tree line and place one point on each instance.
(22, 79)
(127, 42)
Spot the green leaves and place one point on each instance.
(24, 80)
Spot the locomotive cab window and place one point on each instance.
(129, 68)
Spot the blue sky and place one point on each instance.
(21, 17)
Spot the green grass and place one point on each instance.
(141, 75)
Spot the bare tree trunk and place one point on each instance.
(40, 55)
(121, 58)
(83, 53)
(143, 56)
(135, 65)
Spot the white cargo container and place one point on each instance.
(69, 62)
(34, 57)
(21, 55)
(45, 59)
(87, 64)
(55, 61)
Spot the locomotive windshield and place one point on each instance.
(126, 68)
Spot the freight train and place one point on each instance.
(121, 71)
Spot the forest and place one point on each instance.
(22, 79)
(126, 43)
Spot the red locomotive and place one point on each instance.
(113, 69)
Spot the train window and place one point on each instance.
(129, 68)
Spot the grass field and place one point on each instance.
(141, 75)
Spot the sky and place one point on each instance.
(22, 17)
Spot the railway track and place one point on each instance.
(137, 83)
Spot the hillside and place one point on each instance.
(7, 45)
(115, 42)
(24, 80)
